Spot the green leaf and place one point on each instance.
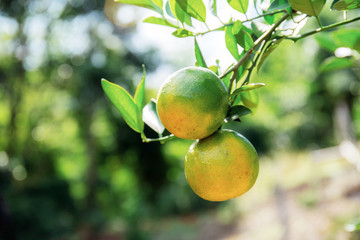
(334, 63)
(151, 118)
(181, 33)
(250, 99)
(179, 13)
(353, 227)
(343, 5)
(213, 7)
(144, 3)
(198, 55)
(243, 38)
(247, 87)
(168, 9)
(259, 28)
(271, 19)
(310, 7)
(215, 69)
(278, 5)
(326, 40)
(195, 8)
(236, 112)
(267, 50)
(158, 3)
(239, 5)
(139, 96)
(231, 43)
(125, 104)
(159, 21)
(348, 38)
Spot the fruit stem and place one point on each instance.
(160, 139)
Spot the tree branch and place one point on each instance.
(247, 20)
(256, 44)
(329, 27)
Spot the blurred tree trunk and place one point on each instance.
(345, 131)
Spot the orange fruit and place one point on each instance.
(192, 103)
(222, 166)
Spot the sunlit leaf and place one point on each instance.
(159, 21)
(310, 7)
(181, 33)
(243, 38)
(195, 8)
(278, 5)
(158, 3)
(215, 69)
(236, 112)
(239, 5)
(151, 118)
(168, 9)
(267, 50)
(270, 19)
(335, 63)
(153, 5)
(125, 104)
(179, 13)
(139, 96)
(247, 87)
(326, 41)
(213, 7)
(198, 55)
(231, 43)
(259, 28)
(249, 99)
(348, 38)
(343, 5)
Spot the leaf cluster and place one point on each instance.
(249, 40)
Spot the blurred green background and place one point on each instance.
(70, 168)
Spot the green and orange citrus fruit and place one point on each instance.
(192, 103)
(222, 166)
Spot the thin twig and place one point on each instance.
(329, 27)
(161, 139)
(256, 44)
(247, 20)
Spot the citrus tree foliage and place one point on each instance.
(249, 40)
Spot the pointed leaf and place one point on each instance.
(243, 38)
(335, 63)
(247, 87)
(239, 5)
(348, 38)
(198, 55)
(250, 99)
(181, 33)
(267, 50)
(278, 5)
(231, 43)
(343, 5)
(236, 112)
(158, 3)
(195, 8)
(310, 7)
(213, 7)
(125, 104)
(151, 118)
(139, 96)
(327, 41)
(143, 3)
(159, 21)
(179, 13)
(259, 28)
